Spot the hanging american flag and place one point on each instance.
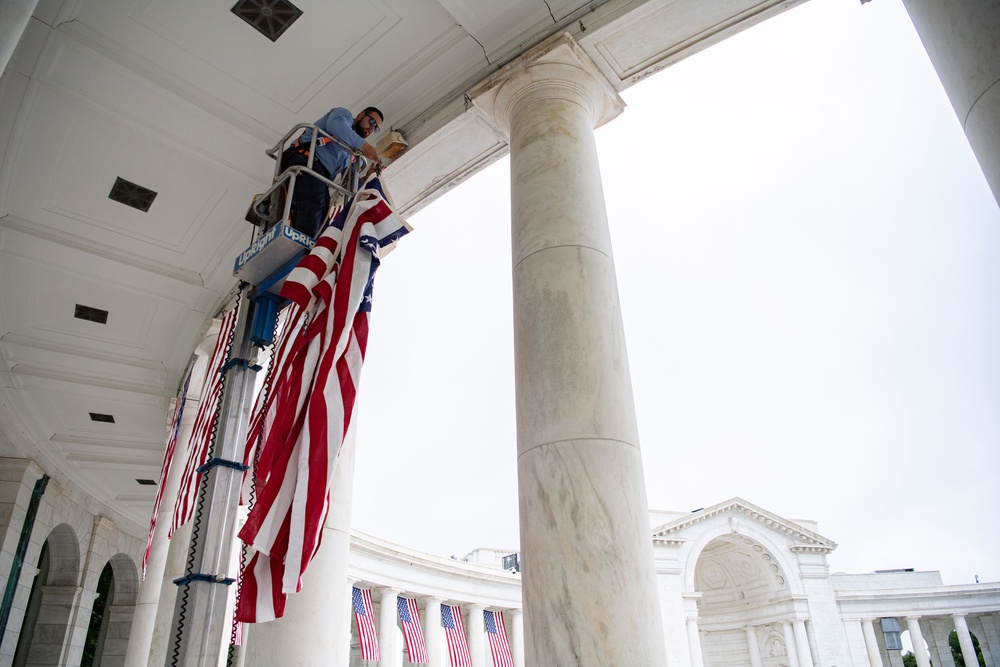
(499, 646)
(416, 651)
(314, 385)
(454, 632)
(168, 457)
(363, 616)
(204, 426)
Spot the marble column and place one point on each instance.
(387, 614)
(316, 627)
(802, 643)
(871, 642)
(140, 637)
(694, 643)
(14, 17)
(585, 536)
(917, 639)
(965, 640)
(753, 646)
(789, 634)
(475, 630)
(961, 39)
(433, 633)
(517, 636)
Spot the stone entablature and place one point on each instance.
(374, 563)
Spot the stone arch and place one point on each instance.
(728, 525)
(741, 582)
(56, 587)
(64, 556)
(118, 609)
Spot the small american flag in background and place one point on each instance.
(203, 431)
(454, 631)
(499, 646)
(168, 457)
(366, 624)
(410, 618)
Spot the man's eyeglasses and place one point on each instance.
(373, 123)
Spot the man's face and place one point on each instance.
(367, 124)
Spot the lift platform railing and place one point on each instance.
(276, 247)
(264, 213)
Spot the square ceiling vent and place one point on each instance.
(130, 194)
(268, 17)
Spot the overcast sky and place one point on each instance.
(807, 256)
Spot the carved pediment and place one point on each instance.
(739, 513)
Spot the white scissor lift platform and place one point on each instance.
(277, 247)
(275, 250)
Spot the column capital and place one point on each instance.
(556, 67)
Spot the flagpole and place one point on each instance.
(200, 624)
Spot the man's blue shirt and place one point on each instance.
(339, 123)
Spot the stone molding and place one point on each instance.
(807, 541)
(557, 66)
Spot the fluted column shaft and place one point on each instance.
(802, 643)
(871, 642)
(585, 538)
(917, 639)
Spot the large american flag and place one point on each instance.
(454, 631)
(416, 651)
(204, 426)
(499, 646)
(168, 457)
(317, 369)
(363, 616)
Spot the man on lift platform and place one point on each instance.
(311, 198)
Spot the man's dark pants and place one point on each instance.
(311, 198)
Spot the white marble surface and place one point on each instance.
(587, 558)
(961, 40)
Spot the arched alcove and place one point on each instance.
(741, 584)
(52, 599)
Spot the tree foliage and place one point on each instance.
(956, 650)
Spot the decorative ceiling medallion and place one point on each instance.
(268, 17)
(130, 194)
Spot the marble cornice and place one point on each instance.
(806, 540)
(810, 549)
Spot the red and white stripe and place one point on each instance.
(317, 370)
(168, 457)
(365, 619)
(413, 635)
(499, 646)
(204, 426)
(458, 644)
